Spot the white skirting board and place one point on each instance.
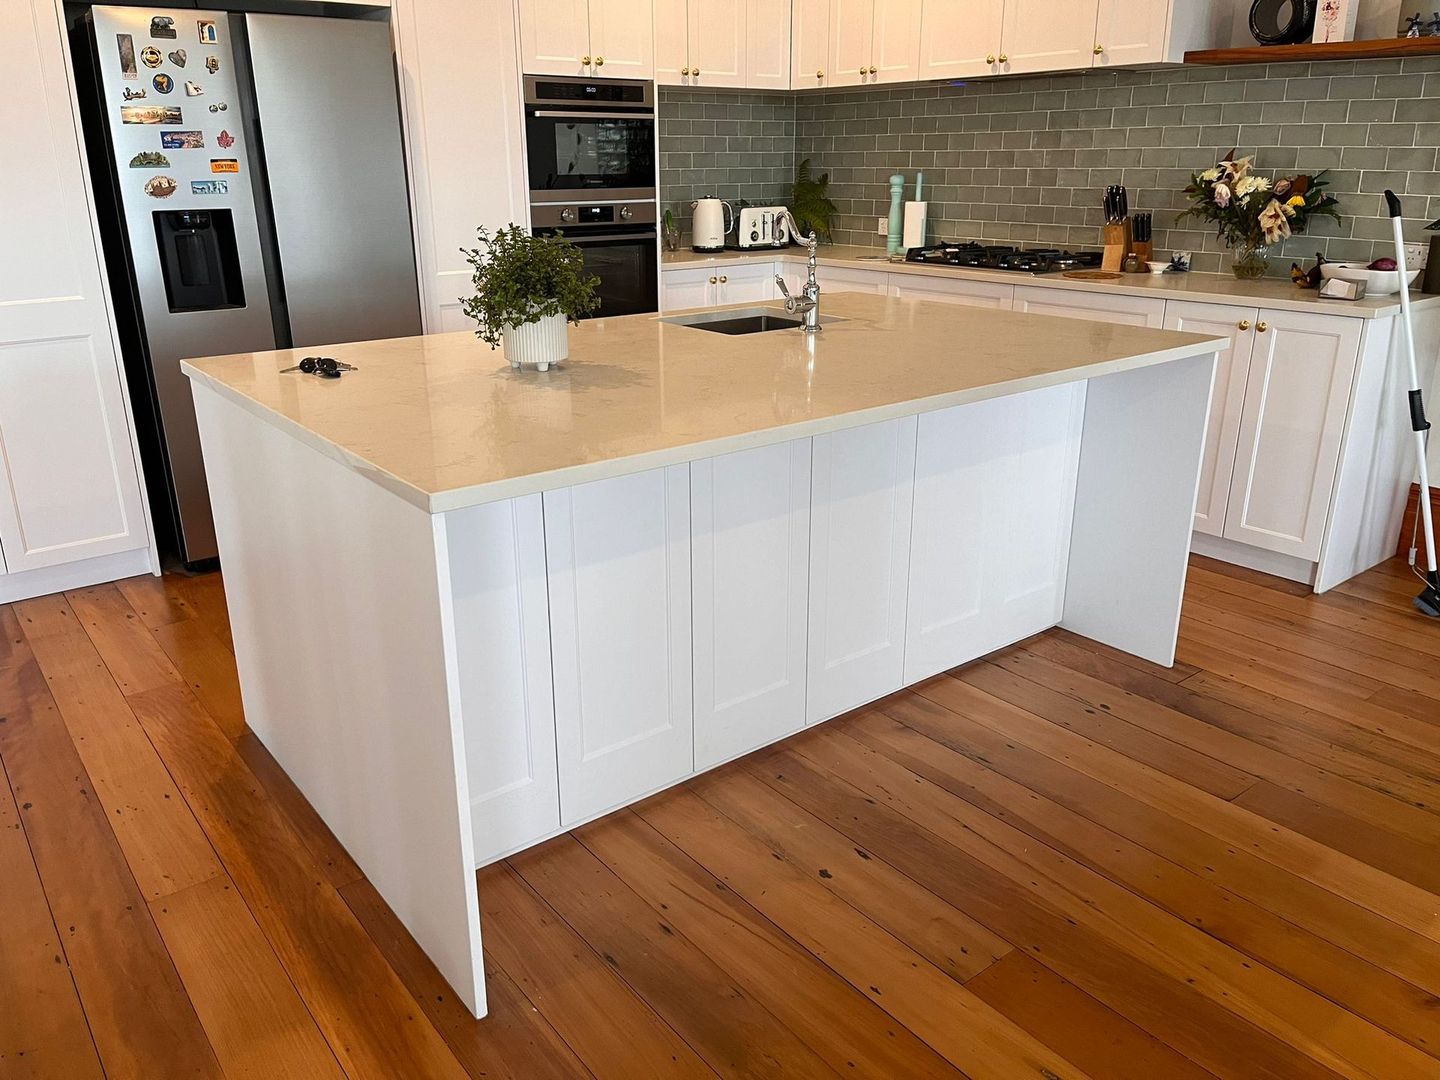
(76, 575)
(341, 609)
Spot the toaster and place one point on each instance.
(761, 227)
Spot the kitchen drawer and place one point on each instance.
(1101, 307)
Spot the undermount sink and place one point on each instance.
(741, 321)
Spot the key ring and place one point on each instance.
(326, 367)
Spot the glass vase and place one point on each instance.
(1250, 262)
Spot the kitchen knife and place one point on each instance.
(1124, 207)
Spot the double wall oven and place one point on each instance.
(590, 159)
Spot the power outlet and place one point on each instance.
(882, 226)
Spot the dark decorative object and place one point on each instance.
(1282, 22)
(1307, 279)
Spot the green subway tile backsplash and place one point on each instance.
(1026, 159)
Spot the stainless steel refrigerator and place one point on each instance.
(250, 182)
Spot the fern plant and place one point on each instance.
(810, 202)
(522, 279)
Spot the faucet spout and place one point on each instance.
(807, 304)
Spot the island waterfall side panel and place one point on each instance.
(339, 598)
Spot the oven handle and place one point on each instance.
(583, 239)
(562, 114)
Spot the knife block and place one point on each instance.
(1144, 249)
(1116, 238)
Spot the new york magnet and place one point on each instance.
(224, 165)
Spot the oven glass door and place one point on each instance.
(626, 264)
(594, 151)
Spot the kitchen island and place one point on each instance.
(474, 607)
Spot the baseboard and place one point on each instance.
(76, 575)
(1253, 558)
(1407, 523)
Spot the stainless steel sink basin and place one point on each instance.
(740, 321)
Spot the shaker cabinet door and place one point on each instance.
(959, 41)
(861, 492)
(717, 43)
(1296, 397)
(1047, 35)
(622, 38)
(1101, 307)
(810, 44)
(672, 56)
(767, 52)
(895, 50)
(750, 518)
(1131, 32)
(1227, 399)
(851, 42)
(555, 37)
(618, 556)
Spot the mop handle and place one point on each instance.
(1417, 408)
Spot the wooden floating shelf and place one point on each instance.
(1379, 49)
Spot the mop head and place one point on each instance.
(1428, 602)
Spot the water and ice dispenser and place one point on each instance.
(198, 259)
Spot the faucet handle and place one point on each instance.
(784, 289)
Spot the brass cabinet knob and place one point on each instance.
(684, 71)
(1004, 59)
(990, 59)
(862, 73)
(713, 279)
(585, 60)
(1099, 49)
(873, 70)
(695, 72)
(1243, 324)
(820, 74)
(1262, 326)
(723, 279)
(599, 61)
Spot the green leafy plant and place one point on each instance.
(522, 279)
(810, 202)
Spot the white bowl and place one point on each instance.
(1377, 282)
(1157, 267)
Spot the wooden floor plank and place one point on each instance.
(949, 939)
(1173, 1011)
(968, 1033)
(208, 665)
(1096, 1038)
(1366, 990)
(164, 845)
(982, 733)
(609, 1027)
(1313, 1025)
(369, 1019)
(514, 1041)
(137, 1010)
(42, 1025)
(855, 1036)
(135, 659)
(251, 1013)
(154, 599)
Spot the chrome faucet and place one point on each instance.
(807, 304)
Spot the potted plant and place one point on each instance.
(810, 202)
(528, 289)
(1251, 213)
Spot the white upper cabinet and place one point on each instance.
(895, 49)
(852, 25)
(767, 53)
(622, 42)
(960, 40)
(1301, 370)
(69, 487)
(1131, 32)
(1227, 399)
(716, 30)
(613, 38)
(810, 44)
(1047, 35)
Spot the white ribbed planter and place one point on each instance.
(537, 344)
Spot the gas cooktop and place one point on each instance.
(1019, 260)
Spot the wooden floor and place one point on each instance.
(1057, 862)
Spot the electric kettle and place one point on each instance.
(713, 219)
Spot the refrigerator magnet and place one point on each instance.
(219, 106)
(212, 64)
(209, 187)
(209, 34)
(126, 45)
(160, 187)
(162, 26)
(150, 114)
(182, 140)
(224, 140)
(134, 95)
(178, 57)
(193, 89)
(224, 165)
(149, 159)
(150, 56)
(163, 83)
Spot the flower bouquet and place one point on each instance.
(1253, 212)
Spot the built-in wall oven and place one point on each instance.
(590, 160)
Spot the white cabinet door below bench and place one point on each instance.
(994, 494)
(1084, 304)
(750, 516)
(985, 294)
(618, 553)
(861, 491)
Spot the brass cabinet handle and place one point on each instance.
(723, 279)
(696, 73)
(1243, 324)
(599, 61)
(1099, 49)
(1262, 326)
(1004, 59)
(820, 74)
(684, 71)
(990, 59)
(873, 70)
(713, 279)
(862, 73)
(585, 60)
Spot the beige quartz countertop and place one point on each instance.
(444, 422)
(1202, 288)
